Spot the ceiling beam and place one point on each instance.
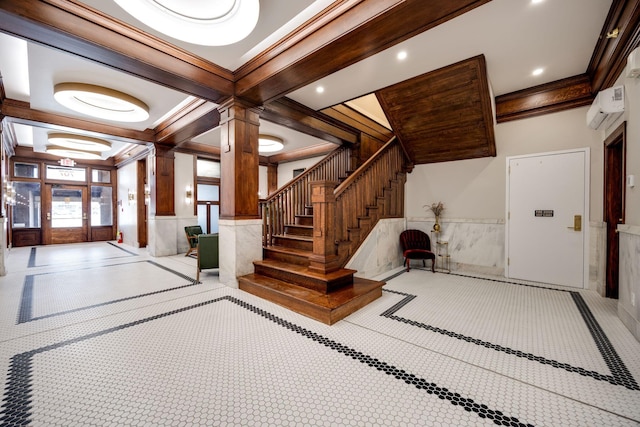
(72, 27)
(289, 113)
(301, 153)
(345, 33)
(194, 119)
(20, 112)
(547, 98)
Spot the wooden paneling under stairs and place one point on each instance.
(284, 277)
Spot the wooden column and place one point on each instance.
(272, 178)
(239, 160)
(164, 188)
(324, 258)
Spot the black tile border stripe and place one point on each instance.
(18, 398)
(122, 249)
(25, 312)
(32, 256)
(620, 375)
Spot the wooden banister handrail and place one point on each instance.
(353, 177)
(306, 173)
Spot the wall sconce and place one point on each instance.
(131, 196)
(9, 193)
(147, 195)
(188, 198)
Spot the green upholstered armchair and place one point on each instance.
(192, 232)
(207, 253)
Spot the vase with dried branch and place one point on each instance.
(437, 209)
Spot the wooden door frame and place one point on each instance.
(614, 193)
(141, 202)
(47, 206)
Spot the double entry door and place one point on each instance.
(65, 214)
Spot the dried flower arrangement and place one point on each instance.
(436, 208)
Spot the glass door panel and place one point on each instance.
(65, 219)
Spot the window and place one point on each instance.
(25, 170)
(66, 173)
(208, 168)
(26, 212)
(101, 206)
(103, 176)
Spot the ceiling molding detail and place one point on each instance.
(364, 124)
(289, 113)
(86, 32)
(610, 55)
(20, 112)
(547, 98)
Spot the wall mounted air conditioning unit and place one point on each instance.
(606, 108)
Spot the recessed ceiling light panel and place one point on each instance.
(538, 71)
(78, 142)
(269, 144)
(202, 22)
(73, 154)
(101, 102)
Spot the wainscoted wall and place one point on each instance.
(380, 252)
(475, 245)
(629, 284)
(478, 246)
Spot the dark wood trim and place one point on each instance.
(345, 33)
(356, 119)
(27, 154)
(21, 112)
(547, 98)
(292, 114)
(164, 186)
(302, 153)
(72, 27)
(609, 57)
(200, 150)
(194, 119)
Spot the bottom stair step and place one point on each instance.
(327, 308)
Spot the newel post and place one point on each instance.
(324, 258)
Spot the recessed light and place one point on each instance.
(536, 1)
(72, 154)
(269, 144)
(538, 71)
(78, 142)
(101, 102)
(320, 89)
(402, 55)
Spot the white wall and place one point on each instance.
(127, 212)
(285, 170)
(475, 189)
(263, 183)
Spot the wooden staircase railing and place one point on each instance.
(281, 207)
(374, 191)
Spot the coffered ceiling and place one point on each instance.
(347, 47)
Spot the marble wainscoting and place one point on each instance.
(380, 252)
(475, 245)
(240, 245)
(597, 256)
(162, 236)
(4, 252)
(629, 281)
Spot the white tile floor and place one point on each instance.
(102, 334)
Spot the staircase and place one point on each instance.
(311, 228)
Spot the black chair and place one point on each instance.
(417, 245)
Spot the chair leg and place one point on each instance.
(433, 265)
(407, 261)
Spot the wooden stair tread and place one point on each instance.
(325, 308)
(287, 250)
(294, 237)
(304, 271)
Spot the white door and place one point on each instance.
(547, 218)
